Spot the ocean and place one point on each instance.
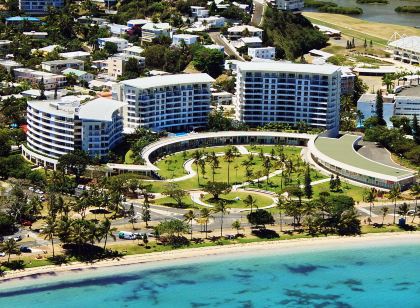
(374, 276)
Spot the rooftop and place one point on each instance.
(287, 67)
(134, 49)
(157, 26)
(409, 43)
(66, 61)
(34, 72)
(342, 150)
(65, 106)
(74, 54)
(78, 73)
(100, 109)
(243, 27)
(112, 39)
(253, 39)
(168, 80)
(22, 18)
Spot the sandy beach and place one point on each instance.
(240, 250)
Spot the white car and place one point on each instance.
(31, 188)
(2, 254)
(411, 212)
(39, 191)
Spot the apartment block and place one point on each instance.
(58, 66)
(169, 102)
(262, 52)
(58, 127)
(39, 7)
(288, 93)
(120, 42)
(34, 77)
(290, 5)
(154, 30)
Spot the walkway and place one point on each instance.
(242, 149)
(196, 198)
(189, 169)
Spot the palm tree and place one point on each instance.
(223, 209)
(229, 158)
(107, 230)
(10, 247)
(205, 214)
(403, 210)
(236, 225)
(393, 195)
(236, 167)
(415, 192)
(189, 218)
(281, 206)
(49, 231)
(267, 166)
(197, 157)
(214, 163)
(370, 197)
(384, 212)
(35, 206)
(250, 201)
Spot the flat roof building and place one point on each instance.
(154, 30)
(120, 42)
(236, 32)
(406, 49)
(57, 66)
(167, 102)
(339, 156)
(39, 7)
(290, 5)
(288, 93)
(51, 81)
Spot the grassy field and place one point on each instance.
(261, 200)
(167, 201)
(350, 190)
(287, 150)
(379, 33)
(171, 166)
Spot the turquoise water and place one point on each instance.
(358, 277)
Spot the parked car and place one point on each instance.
(16, 238)
(125, 235)
(25, 249)
(2, 254)
(411, 212)
(39, 191)
(31, 188)
(26, 223)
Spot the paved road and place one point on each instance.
(258, 12)
(229, 49)
(377, 153)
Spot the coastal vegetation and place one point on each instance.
(372, 1)
(408, 9)
(331, 7)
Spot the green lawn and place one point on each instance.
(261, 200)
(171, 166)
(277, 182)
(167, 201)
(350, 190)
(287, 150)
(237, 171)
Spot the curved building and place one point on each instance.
(58, 127)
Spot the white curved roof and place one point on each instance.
(100, 109)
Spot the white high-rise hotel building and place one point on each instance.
(288, 93)
(168, 102)
(58, 127)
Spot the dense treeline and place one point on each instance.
(408, 9)
(372, 1)
(291, 34)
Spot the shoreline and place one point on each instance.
(203, 254)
